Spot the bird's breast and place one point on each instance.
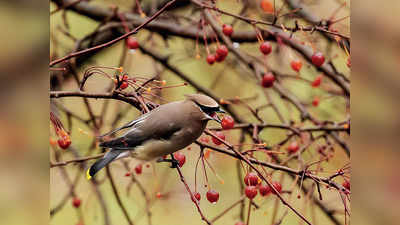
(154, 148)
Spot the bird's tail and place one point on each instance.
(101, 163)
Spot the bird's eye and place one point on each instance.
(208, 110)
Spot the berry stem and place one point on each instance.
(205, 171)
(191, 194)
(197, 38)
(205, 38)
(249, 211)
(215, 173)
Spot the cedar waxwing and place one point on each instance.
(164, 130)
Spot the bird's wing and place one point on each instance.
(134, 138)
(130, 124)
(150, 128)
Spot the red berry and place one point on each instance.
(277, 186)
(267, 6)
(64, 143)
(180, 157)
(346, 184)
(315, 101)
(227, 30)
(264, 190)
(227, 122)
(76, 202)
(205, 139)
(125, 77)
(348, 62)
(293, 147)
(197, 196)
(132, 43)
(266, 48)
(212, 196)
(124, 85)
(220, 135)
(222, 51)
(251, 179)
(268, 80)
(138, 169)
(317, 81)
(240, 223)
(296, 65)
(210, 59)
(127, 174)
(318, 59)
(250, 191)
(219, 58)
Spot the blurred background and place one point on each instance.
(25, 193)
(167, 198)
(24, 104)
(375, 111)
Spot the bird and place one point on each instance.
(164, 130)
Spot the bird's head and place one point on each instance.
(207, 106)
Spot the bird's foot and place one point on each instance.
(174, 162)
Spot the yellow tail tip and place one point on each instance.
(88, 175)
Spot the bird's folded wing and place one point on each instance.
(125, 142)
(130, 124)
(140, 133)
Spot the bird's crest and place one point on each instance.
(202, 100)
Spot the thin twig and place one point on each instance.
(107, 44)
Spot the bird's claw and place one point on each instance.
(174, 162)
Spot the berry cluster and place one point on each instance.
(220, 55)
(122, 81)
(253, 182)
(64, 140)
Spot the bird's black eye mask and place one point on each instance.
(209, 110)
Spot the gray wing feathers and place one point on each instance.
(161, 123)
(130, 124)
(133, 138)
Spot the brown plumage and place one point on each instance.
(202, 100)
(164, 130)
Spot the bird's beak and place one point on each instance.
(221, 111)
(215, 117)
